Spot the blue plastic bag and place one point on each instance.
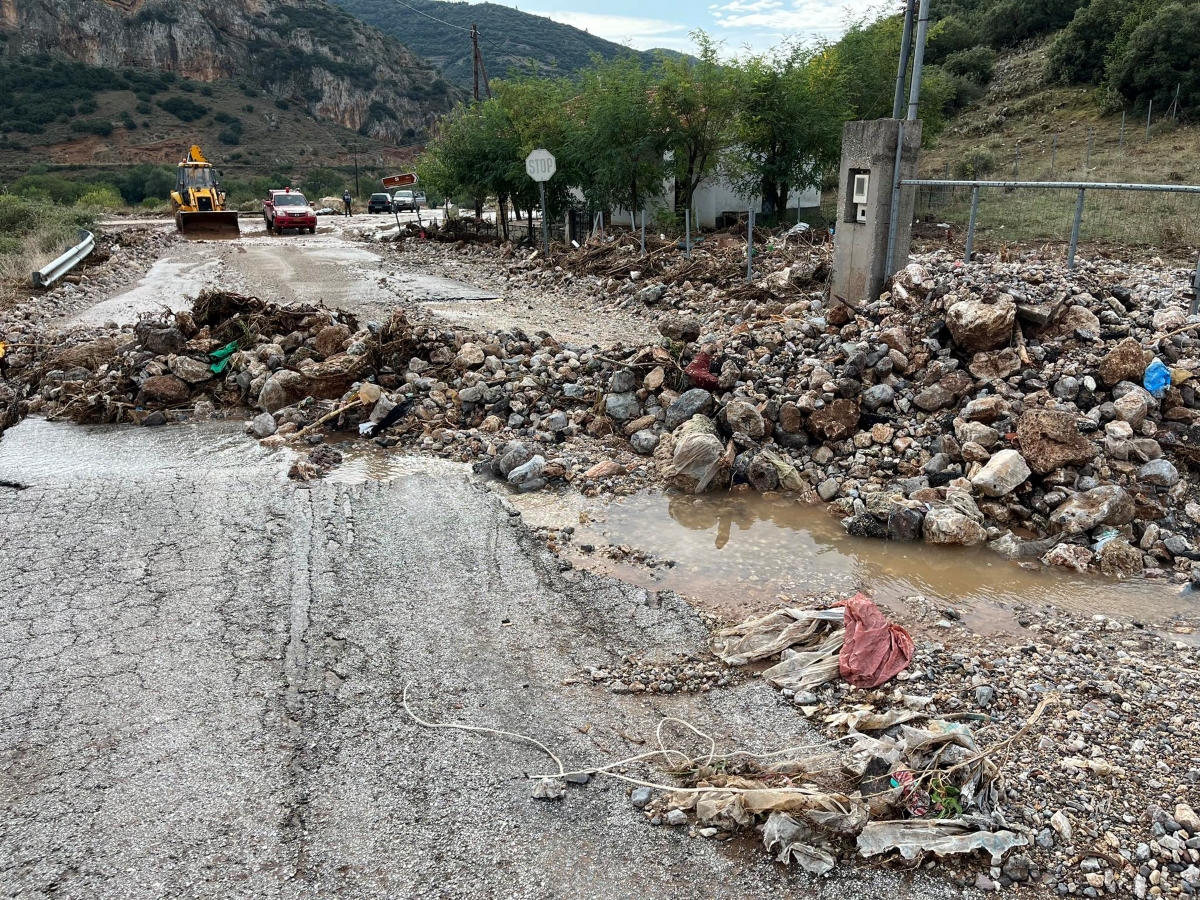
(1157, 378)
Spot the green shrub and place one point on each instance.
(225, 118)
(249, 107)
(231, 136)
(975, 164)
(103, 196)
(283, 104)
(324, 182)
(974, 65)
(86, 107)
(1078, 52)
(950, 35)
(92, 126)
(144, 97)
(1008, 22)
(1159, 56)
(183, 108)
(187, 87)
(206, 91)
(144, 108)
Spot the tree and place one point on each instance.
(789, 125)
(324, 182)
(1160, 57)
(1078, 52)
(618, 142)
(696, 100)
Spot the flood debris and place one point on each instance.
(852, 640)
(1009, 403)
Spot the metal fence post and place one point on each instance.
(971, 224)
(687, 233)
(750, 247)
(1149, 113)
(1075, 230)
(1017, 163)
(643, 232)
(1122, 131)
(1087, 160)
(1195, 290)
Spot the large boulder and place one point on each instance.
(165, 389)
(193, 371)
(1158, 472)
(745, 417)
(1125, 362)
(331, 339)
(1003, 474)
(622, 407)
(1050, 440)
(1118, 559)
(835, 421)
(327, 380)
(996, 365)
(948, 525)
(977, 324)
(1108, 504)
(697, 401)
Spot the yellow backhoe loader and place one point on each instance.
(198, 201)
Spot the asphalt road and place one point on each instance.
(201, 666)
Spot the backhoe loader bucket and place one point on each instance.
(224, 223)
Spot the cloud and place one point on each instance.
(796, 16)
(634, 31)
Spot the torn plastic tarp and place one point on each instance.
(869, 649)
(796, 842)
(773, 633)
(942, 838)
(875, 650)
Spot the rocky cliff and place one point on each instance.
(306, 51)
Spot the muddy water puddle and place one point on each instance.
(742, 554)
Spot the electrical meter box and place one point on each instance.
(865, 184)
(862, 181)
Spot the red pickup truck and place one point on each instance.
(288, 209)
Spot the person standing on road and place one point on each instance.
(346, 198)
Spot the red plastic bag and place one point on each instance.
(875, 650)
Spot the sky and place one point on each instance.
(753, 24)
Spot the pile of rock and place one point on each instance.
(968, 405)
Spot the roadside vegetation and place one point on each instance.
(33, 232)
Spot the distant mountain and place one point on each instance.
(304, 53)
(509, 38)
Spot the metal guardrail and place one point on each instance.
(51, 272)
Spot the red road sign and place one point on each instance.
(397, 181)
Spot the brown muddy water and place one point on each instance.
(744, 554)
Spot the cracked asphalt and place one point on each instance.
(201, 671)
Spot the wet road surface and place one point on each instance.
(203, 666)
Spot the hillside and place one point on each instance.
(510, 39)
(277, 80)
(1050, 125)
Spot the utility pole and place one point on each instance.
(357, 192)
(478, 70)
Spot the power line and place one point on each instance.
(444, 22)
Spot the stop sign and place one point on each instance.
(540, 165)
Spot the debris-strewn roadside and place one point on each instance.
(1048, 413)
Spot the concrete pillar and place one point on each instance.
(861, 239)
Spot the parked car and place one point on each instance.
(380, 203)
(404, 200)
(419, 197)
(288, 209)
